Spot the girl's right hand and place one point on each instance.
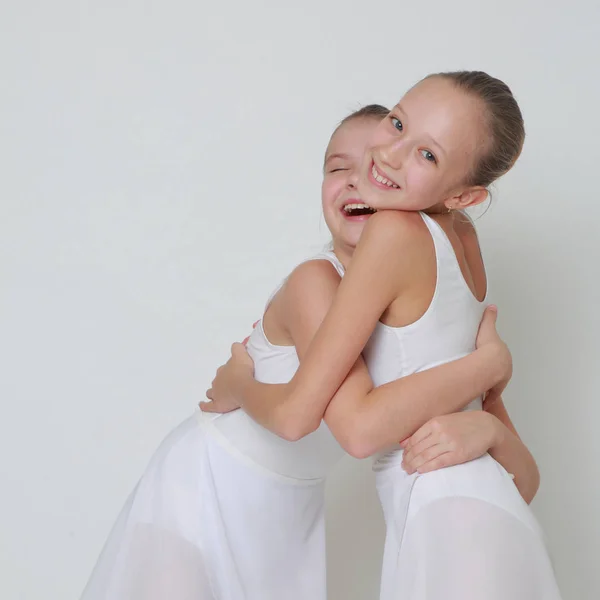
(225, 388)
(449, 440)
(222, 393)
(488, 336)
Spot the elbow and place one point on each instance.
(293, 432)
(534, 485)
(359, 449)
(357, 439)
(293, 427)
(528, 484)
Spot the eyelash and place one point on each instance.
(392, 119)
(434, 161)
(338, 169)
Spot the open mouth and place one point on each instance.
(358, 209)
(379, 178)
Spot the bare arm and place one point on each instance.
(460, 437)
(363, 419)
(508, 449)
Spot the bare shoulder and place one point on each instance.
(312, 272)
(311, 280)
(394, 220)
(394, 230)
(305, 297)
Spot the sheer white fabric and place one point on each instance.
(206, 523)
(462, 533)
(226, 510)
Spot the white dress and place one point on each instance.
(226, 510)
(464, 532)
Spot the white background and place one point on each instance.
(160, 170)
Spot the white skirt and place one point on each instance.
(206, 523)
(461, 533)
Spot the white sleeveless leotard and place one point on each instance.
(464, 532)
(226, 510)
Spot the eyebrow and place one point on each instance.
(400, 109)
(337, 155)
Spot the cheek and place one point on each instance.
(419, 176)
(330, 190)
(381, 137)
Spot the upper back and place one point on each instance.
(436, 320)
(448, 238)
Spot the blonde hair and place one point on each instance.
(506, 129)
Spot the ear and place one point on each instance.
(470, 197)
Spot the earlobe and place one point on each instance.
(468, 198)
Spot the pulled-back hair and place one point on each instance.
(506, 129)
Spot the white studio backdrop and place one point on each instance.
(160, 172)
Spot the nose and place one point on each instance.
(394, 154)
(352, 180)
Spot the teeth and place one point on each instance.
(381, 179)
(356, 206)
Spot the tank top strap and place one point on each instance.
(449, 274)
(440, 239)
(447, 262)
(332, 258)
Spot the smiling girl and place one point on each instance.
(412, 295)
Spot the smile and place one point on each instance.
(358, 209)
(379, 178)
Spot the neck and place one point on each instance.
(344, 252)
(437, 209)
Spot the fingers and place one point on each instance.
(424, 457)
(491, 311)
(487, 327)
(217, 407)
(415, 449)
(245, 341)
(490, 316)
(237, 347)
(419, 435)
(240, 355)
(439, 462)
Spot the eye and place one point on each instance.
(428, 156)
(397, 123)
(338, 169)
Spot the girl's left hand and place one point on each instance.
(449, 440)
(224, 391)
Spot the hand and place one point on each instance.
(224, 391)
(449, 440)
(488, 336)
(245, 341)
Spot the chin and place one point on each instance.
(351, 238)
